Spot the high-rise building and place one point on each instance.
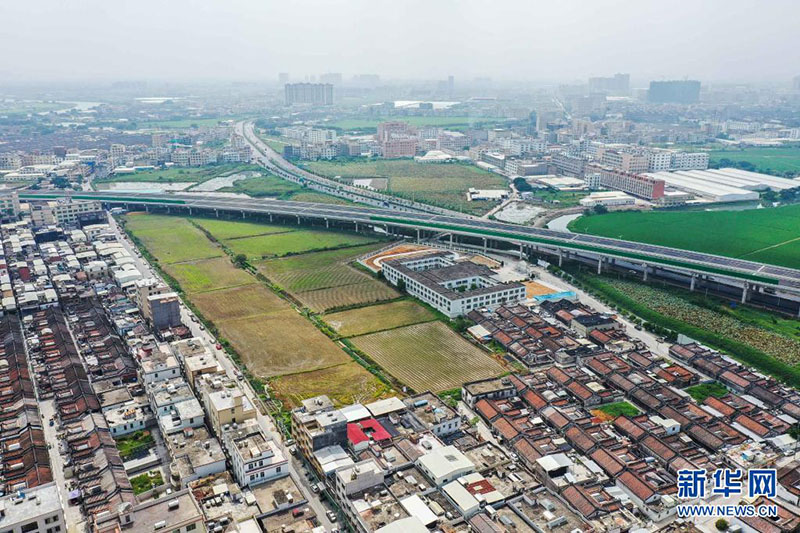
(309, 93)
(283, 78)
(674, 91)
(617, 85)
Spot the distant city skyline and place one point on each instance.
(713, 41)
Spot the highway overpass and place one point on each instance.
(750, 278)
(275, 163)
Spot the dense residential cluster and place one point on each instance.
(108, 401)
(549, 450)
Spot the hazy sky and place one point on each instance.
(725, 40)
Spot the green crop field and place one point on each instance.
(444, 185)
(428, 356)
(223, 230)
(208, 274)
(171, 239)
(344, 384)
(316, 270)
(280, 244)
(669, 302)
(180, 174)
(365, 292)
(766, 235)
(772, 160)
(379, 317)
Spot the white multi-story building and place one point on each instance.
(689, 161)
(37, 510)
(453, 288)
(658, 160)
(63, 212)
(255, 458)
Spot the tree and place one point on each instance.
(401, 285)
(721, 524)
(240, 260)
(600, 209)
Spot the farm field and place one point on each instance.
(181, 174)
(316, 270)
(770, 160)
(250, 316)
(379, 317)
(171, 239)
(223, 229)
(766, 235)
(208, 274)
(668, 302)
(268, 350)
(280, 244)
(365, 292)
(344, 384)
(239, 302)
(324, 280)
(428, 356)
(443, 185)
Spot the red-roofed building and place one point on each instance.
(359, 434)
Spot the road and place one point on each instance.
(296, 469)
(671, 259)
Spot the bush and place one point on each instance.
(721, 524)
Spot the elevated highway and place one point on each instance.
(646, 259)
(275, 163)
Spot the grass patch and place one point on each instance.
(444, 185)
(770, 160)
(171, 239)
(148, 480)
(222, 229)
(704, 390)
(208, 274)
(318, 198)
(616, 409)
(769, 235)
(135, 445)
(428, 356)
(181, 174)
(281, 244)
(264, 187)
(379, 317)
